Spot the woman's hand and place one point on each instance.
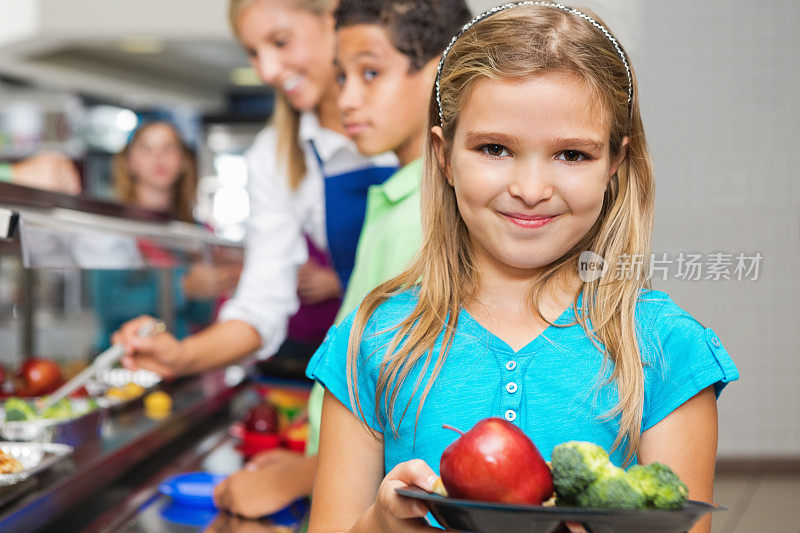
(392, 512)
(269, 482)
(205, 281)
(161, 353)
(316, 283)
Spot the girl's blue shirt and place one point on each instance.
(555, 389)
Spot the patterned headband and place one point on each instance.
(503, 7)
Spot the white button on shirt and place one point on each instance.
(275, 247)
(511, 387)
(511, 415)
(511, 365)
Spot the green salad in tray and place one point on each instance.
(19, 410)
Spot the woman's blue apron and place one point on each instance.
(345, 207)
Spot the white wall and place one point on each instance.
(719, 85)
(719, 90)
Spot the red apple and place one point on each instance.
(262, 418)
(40, 376)
(496, 462)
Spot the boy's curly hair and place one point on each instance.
(419, 29)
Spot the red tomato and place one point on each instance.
(40, 376)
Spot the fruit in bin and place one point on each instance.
(127, 392)
(38, 376)
(262, 418)
(496, 462)
(157, 404)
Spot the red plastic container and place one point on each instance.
(253, 442)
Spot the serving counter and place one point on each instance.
(128, 445)
(110, 480)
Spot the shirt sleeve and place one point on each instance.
(687, 357)
(6, 172)
(328, 367)
(266, 295)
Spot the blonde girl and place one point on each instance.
(536, 157)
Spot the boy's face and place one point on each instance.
(383, 103)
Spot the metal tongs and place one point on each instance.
(102, 362)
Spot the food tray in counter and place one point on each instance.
(73, 431)
(119, 386)
(34, 458)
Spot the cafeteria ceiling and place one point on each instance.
(146, 53)
(138, 53)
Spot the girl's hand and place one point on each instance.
(392, 512)
(267, 484)
(317, 284)
(162, 353)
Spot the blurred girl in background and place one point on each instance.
(156, 171)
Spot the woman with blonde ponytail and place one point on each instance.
(306, 180)
(527, 301)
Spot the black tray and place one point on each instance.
(486, 517)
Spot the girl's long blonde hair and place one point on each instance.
(185, 188)
(515, 44)
(285, 118)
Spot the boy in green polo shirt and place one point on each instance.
(386, 59)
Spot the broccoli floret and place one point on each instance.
(19, 410)
(576, 465)
(662, 488)
(583, 475)
(613, 489)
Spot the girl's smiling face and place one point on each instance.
(529, 163)
(291, 49)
